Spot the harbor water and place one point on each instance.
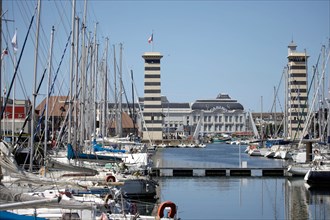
(252, 197)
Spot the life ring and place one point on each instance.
(171, 214)
(110, 178)
(316, 151)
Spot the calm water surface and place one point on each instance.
(236, 197)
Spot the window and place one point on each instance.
(152, 60)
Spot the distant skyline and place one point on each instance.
(209, 47)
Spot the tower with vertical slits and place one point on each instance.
(152, 112)
(297, 91)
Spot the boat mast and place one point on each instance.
(48, 95)
(76, 87)
(328, 116)
(286, 93)
(261, 122)
(120, 91)
(315, 82)
(91, 110)
(105, 103)
(14, 97)
(34, 94)
(83, 78)
(322, 126)
(115, 89)
(275, 116)
(133, 114)
(96, 57)
(1, 176)
(71, 69)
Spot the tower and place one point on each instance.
(152, 112)
(297, 85)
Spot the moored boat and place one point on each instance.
(319, 174)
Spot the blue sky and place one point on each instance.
(209, 47)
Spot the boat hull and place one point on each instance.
(318, 177)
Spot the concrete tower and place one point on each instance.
(297, 91)
(152, 112)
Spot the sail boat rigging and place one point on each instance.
(16, 69)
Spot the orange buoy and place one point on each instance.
(162, 207)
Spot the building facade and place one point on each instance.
(13, 121)
(219, 115)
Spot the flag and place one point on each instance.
(14, 41)
(151, 38)
(4, 52)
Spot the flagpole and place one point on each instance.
(152, 41)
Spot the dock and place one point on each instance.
(219, 172)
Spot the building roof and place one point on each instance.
(126, 121)
(221, 101)
(176, 105)
(58, 105)
(62, 105)
(147, 55)
(166, 104)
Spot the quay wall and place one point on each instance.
(219, 172)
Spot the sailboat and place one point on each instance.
(72, 154)
(319, 174)
(195, 136)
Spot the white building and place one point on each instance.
(219, 115)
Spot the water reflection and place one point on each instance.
(225, 197)
(306, 202)
(245, 198)
(214, 155)
(236, 197)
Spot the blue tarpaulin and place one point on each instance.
(4, 215)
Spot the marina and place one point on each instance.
(85, 144)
